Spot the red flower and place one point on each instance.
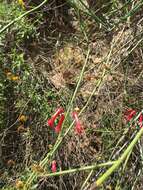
(78, 127)
(51, 121)
(54, 166)
(59, 125)
(141, 120)
(130, 114)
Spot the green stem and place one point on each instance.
(91, 13)
(131, 12)
(120, 160)
(86, 180)
(78, 169)
(60, 138)
(78, 84)
(23, 15)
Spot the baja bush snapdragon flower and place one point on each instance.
(58, 114)
(78, 127)
(141, 120)
(129, 114)
(59, 125)
(54, 166)
(51, 121)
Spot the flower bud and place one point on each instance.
(54, 166)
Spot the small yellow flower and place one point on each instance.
(19, 184)
(22, 118)
(21, 2)
(15, 78)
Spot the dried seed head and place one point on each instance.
(37, 168)
(21, 129)
(76, 109)
(10, 163)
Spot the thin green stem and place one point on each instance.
(92, 167)
(78, 84)
(121, 159)
(131, 12)
(23, 15)
(86, 180)
(60, 138)
(91, 13)
(88, 12)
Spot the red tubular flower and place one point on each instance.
(78, 127)
(51, 121)
(54, 166)
(59, 125)
(130, 114)
(141, 120)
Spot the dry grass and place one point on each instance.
(56, 57)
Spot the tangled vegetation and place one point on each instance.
(71, 97)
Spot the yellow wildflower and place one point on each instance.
(19, 184)
(21, 2)
(22, 118)
(14, 78)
